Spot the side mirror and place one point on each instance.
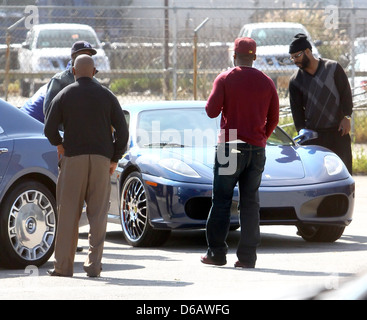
(26, 45)
(305, 135)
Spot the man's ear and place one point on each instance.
(255, 57)
(74, 72)
(308, 52)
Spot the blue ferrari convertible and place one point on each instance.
(164, 181)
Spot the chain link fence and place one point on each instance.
(147, 52)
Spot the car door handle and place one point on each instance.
(3, 150)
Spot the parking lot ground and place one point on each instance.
(287, 267)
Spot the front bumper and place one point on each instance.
(178, 205)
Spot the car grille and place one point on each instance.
(280, 215)
(60, 63)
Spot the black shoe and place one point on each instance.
(79, 249)
(92, 275)
(53, 273)
(213, 260)
(244, 265)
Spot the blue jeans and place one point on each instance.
(242, 164)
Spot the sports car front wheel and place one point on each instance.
(27, 225)
(135, 215)
(313, 233)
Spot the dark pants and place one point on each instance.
(334, 141)
(245, 164)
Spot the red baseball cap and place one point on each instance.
(245, 46)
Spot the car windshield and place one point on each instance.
(176, 127)
(187, 127)
(274, 36)
(280, 138)
(64, 38)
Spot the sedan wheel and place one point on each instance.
(27, 225)
(135, 215)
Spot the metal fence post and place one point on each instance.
(196, 31)
(174, 56)
(7, 57)
(353, 61)
(166, 51)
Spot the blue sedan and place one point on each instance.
(164, 181)
(28, 175)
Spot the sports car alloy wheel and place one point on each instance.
(30, 215)
(135, 214)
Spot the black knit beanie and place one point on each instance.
(299, 43)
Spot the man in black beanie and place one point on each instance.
(321, 99)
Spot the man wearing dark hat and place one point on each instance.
(249, 104)
(321, 99)
(64, 78)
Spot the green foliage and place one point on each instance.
(126, 86)
(360, 125)
(359, 161)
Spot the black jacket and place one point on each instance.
(88, 112)
(58, 82)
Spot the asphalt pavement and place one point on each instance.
(287, 268)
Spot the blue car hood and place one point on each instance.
(282, 162)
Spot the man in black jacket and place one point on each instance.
(62, 79)
(88, 155)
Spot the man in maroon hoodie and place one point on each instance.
(249, 104)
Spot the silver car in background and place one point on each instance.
(47, 48)
(273, 40)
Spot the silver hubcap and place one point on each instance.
(134, 209)
(32, 225)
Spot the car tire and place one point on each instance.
(135, 215)
(313, 233)
(27, 225)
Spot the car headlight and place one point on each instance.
(333, 165)
(179, 167)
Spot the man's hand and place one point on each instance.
(113, 167)
(345, 126)
(60, 151)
